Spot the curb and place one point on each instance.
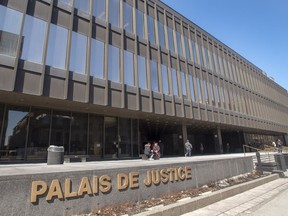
(202, 201)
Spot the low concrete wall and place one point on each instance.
(86, 189)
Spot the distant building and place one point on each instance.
(103, 78)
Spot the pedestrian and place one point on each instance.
(147, 150)
(227, 147)
(188, 148)
(279, 144)
(155, 152)
(201, 148)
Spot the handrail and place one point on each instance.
(257, 149)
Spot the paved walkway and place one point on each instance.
(273, 195)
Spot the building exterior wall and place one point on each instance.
(90, 57)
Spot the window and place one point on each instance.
(57, 46)
(218, 95)
(97, 59)
(201, 55)
(212, 93)
(127, 17)
(212, 60)
(140, 24)
(128, 68)
(10, 25)
(199, 90)
(183, 83)
(78, 53)
(194, 52)
(99, 9)
(33, 39)
(154, 76)
(174, 82)
(151, 29)
(170, 39)
(165, 81)
(187, 50)
(142, 77)
(179, 43)
(113, 64)
(192, 92)
(68, 2)
(207, 58)
(205, 91)
(82, 5)
(114, 11)
(161, 34)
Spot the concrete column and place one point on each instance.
(184, 135)
(218, 141)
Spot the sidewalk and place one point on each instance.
(251, 202)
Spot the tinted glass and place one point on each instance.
(82, 5)
(78, 137)
(154, 76)
(212, 60)
(140, 24)
(96, 135)
(174, 82)
(111, 149)
(187, 50)
(69, 2)
(199, 90)
(142, 77)
(57, 46)
(165, 81)
(99, 9)
(151, 29)
(201, 55)
(127, 17)
(128, 68)
(97, 59)
(212, 93)
(183, 83)
(205, 91)
(192, 92)
(207, 58)
(170, 39)
(114, 11)
(10, 24)
(179, 44)
(33, 39)
(124, 140)
(194, 52)
(78, 53)
(113, 64)
(161, 34)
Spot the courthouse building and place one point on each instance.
(103, 77)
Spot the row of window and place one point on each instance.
(33, 39)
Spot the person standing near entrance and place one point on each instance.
(188, 147)
(279, 144)
(201, 148)
(228, 147)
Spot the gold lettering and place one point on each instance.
(54, 190)
(155, 177)
(123, 181)
(134, 180)
(38, 188)
(148, 181)
(84, 187)
(105, 183)
(164, 175)
(95, 185)
(181, 173)
(171, 171)
(68, 188)
(188, 172)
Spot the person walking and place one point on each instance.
(279, 144)
(188, 147)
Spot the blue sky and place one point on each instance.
(256, 29)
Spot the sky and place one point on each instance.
(255, 29)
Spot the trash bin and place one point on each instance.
(55, 155)
(280, 161)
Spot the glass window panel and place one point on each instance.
(128, 68)
(82, 5)
(14, 134)
(151, 29)
(99, 9)
(140, 24)
(113, 64)
(38, 137)
(183, 83)
(111, 137)
(78, 137)
(124, 140)
(69, 2)
(201, 55)
(154, 76)
(170, 39)
(192, 92)
(78, 53)
(60, 130)
(218, 94)
(127, 17)
(187, 50)
(57, 46)
(212, 60)
(97, 59)
(194, 52)
(96, 132)
(33, 39)
(114, 11)
(205, 91)
(142, 76)
(165, 81)
(198, 83)
(161, 34)
(179, 43)
(212, 93)
(207, 58)
(174, 82)
(10, 24)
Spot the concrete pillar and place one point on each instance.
(184, 136)
(218, 141)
